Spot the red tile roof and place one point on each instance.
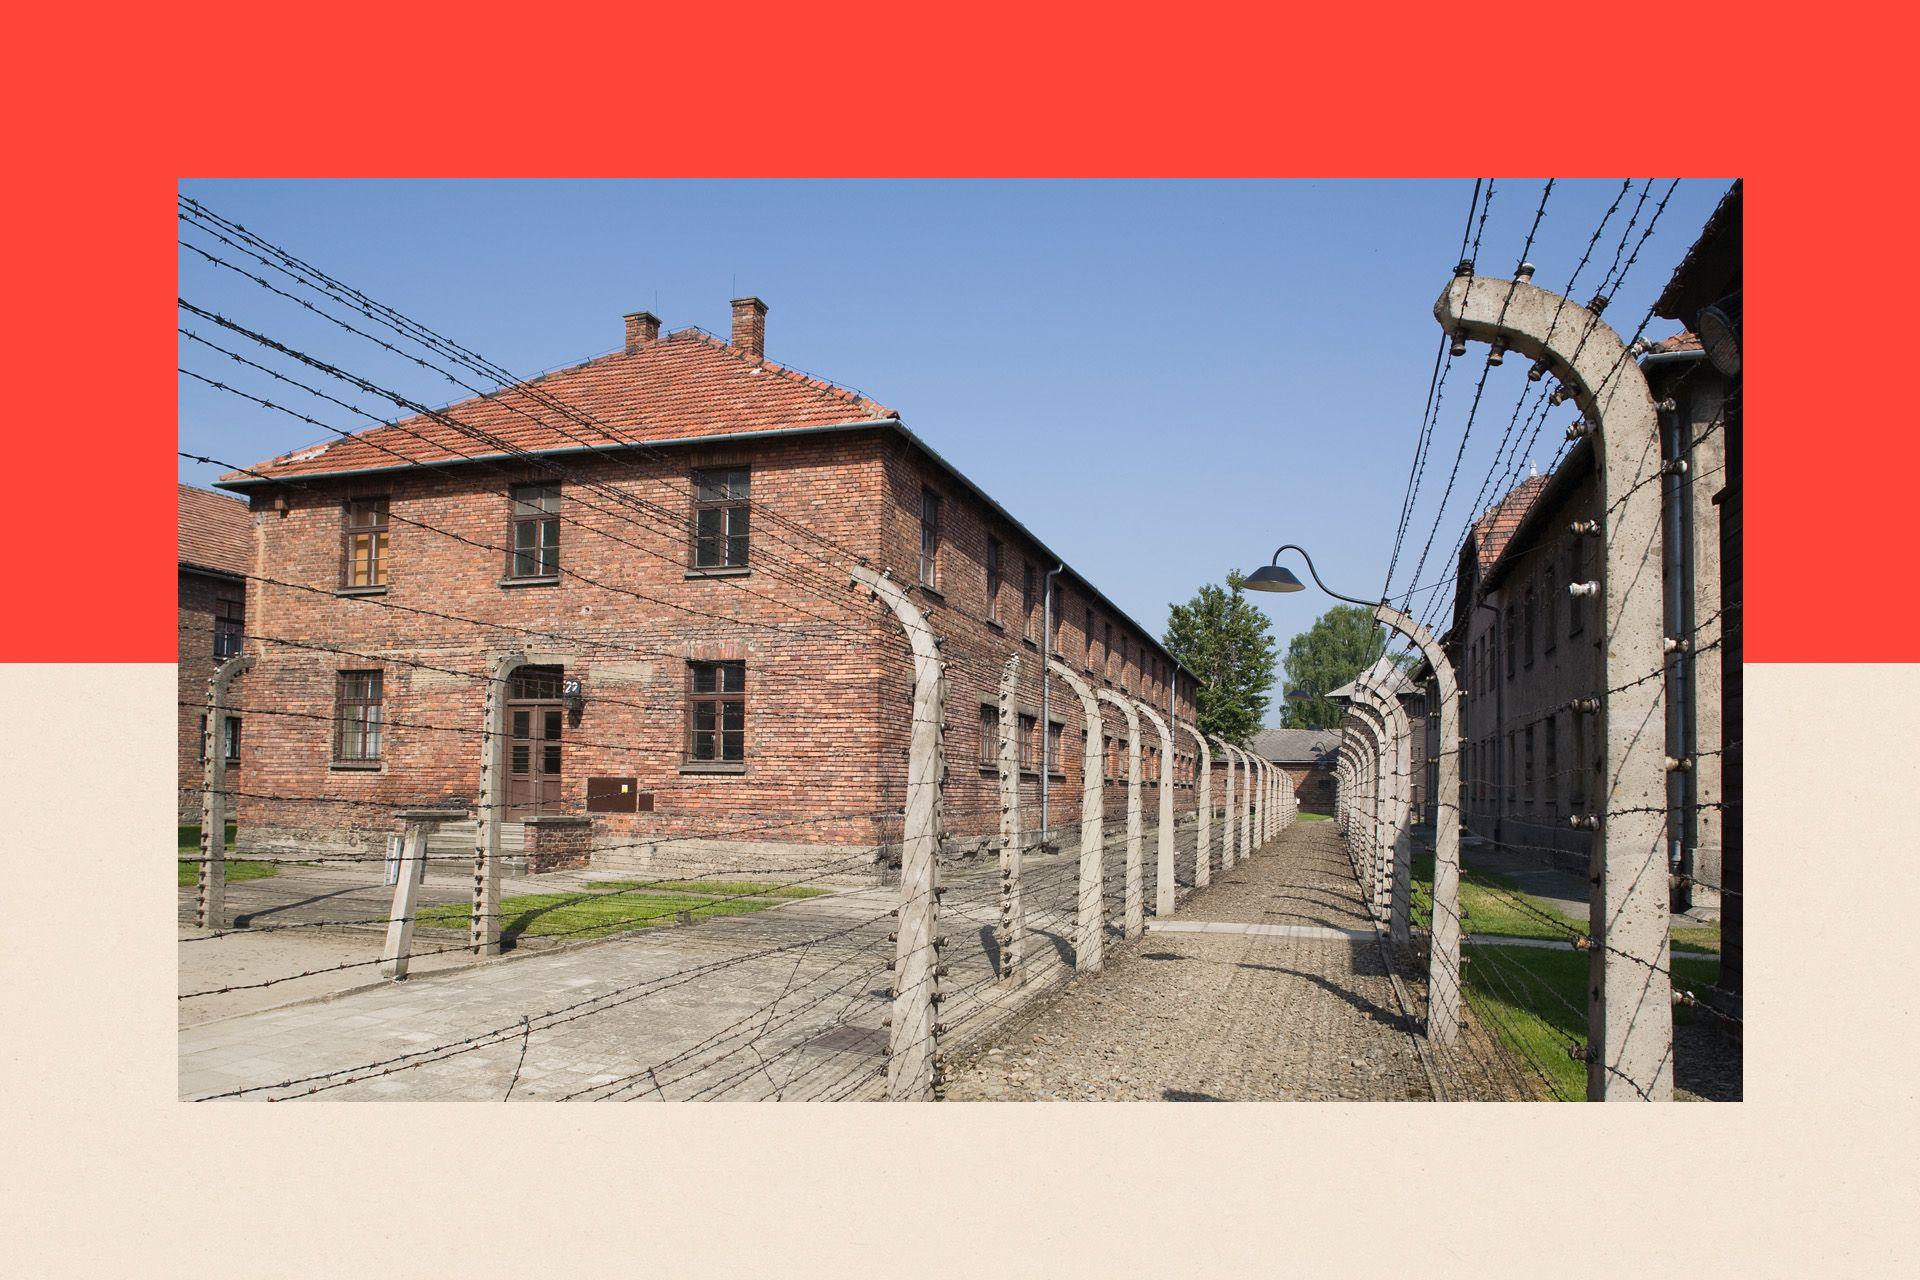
(1682, 341)
(1492, 531)
(216, 532)
(686, 384)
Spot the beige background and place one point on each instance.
(107, 1174)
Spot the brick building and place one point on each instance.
(652, 548)
(216, 549)
(1526, 652)
(1306, 756)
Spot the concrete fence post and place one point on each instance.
(1630, 1009)
(483, 925)
(1013, 928)
(418, 828)
(913, 1065)
(1245, 816)
(1392, 720)
(1203, 837)
(1090, 935)
(1135, 922)
(1165, 881)
(1228, 824)
(211, 905)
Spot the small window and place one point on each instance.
(993, 579)
(1550, 607)
(929, 539)
(358, 718)
(1056, 749)
(1528, 775)
(989, 736)
(720, 514)
(1528, 619)
(1107, 649)
(1087, 619)
(1059, 627)
(1552, 790)
(364, 543)
(535, 534)
(1512, 628)
(1029, 743)
(232, 740)
(1029, 603)
(717, 712)
(228, 627)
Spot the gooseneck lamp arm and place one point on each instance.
(1365, 604)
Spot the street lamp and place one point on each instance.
(1443, 954)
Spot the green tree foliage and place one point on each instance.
(1220, 637)
(1341, 643)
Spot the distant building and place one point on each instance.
(216, 550)
(1307, 757)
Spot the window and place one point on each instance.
(720, 507)
(1528, 775)
(357, 718)
(231, 742)
(1029, 603)
(1029, 742)
(1107, 649)
(1552, 790)
(1057, 748)
(929, 538)
(989, 736)
(1059, 626)
(535, 536)
(1088, 618)
(364, 544)
(1511, 637)
(228, 627)
(1550, 591)
(1528, 620)
(717, 712)
(993, 579)
(1106, 758)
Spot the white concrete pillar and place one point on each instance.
(1229, 825)
(1136, 907)
(1013, 926)
(1630, 1013)
(1165, 881)
(912, 1066)
(417, 829)
(210, 910)
(1203, 836)
(483, 925)
(1090, 936)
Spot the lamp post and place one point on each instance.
(1443, 950)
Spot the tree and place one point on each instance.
(1220, 637)
(1341, 643)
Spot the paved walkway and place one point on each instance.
(1293, 1003)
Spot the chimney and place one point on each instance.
(750, 327)
(642, 327)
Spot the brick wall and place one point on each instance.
(828, 675)
(200, 597)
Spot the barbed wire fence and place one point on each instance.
(843, 950)
(1624, 1035)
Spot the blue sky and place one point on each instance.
(1163, 380)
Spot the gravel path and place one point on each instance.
(1223, 1016)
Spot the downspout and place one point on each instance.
(1046, 696)
(1678, 574)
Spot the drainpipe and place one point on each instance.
(1046, 695)
(1678, 575)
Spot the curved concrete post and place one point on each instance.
(1136, 904)
(483, 924)
(1203, 837)
(1165, 882)
(1013, 928)
(1090, 939)
(1395, 882)
(1396, 801)
(912, 1069)
(212, 896)
(1246, 803)
(1630, 1021)
(1228, 825)
(1373, 752)
(1443, 950)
